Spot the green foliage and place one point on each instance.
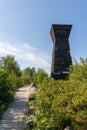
(59, 103)
(27, 75)
(9, 79)
(79, 70)
(40, 76)
(12, 68)
(28, 72)
(56, 103)
(15, 80)
(10, 65)
(6, 88)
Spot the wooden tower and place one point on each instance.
(61, 58)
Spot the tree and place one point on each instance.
(10, 65)
(27, 75)
(28, 72)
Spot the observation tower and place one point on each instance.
(61, 58)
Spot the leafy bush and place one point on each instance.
(9, 78)
(40, 76)
(59, 103)
(6, 93)
(27, 75)
(6, 90)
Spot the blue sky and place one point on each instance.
(25, 27)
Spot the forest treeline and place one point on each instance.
(56, 103)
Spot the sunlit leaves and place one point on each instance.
(63, 101)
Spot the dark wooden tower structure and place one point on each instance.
(61, 58)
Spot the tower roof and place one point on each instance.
(60, 31)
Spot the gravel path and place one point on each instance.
(15, 112)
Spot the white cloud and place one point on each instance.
(25, 54)
(6, 48)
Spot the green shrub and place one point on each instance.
(62, 102)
